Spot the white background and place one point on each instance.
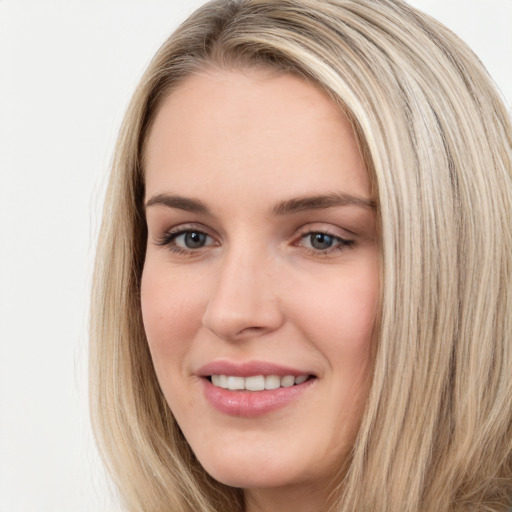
(67, 70)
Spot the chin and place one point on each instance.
(252, 477)
(260, 468)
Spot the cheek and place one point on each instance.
(344, 309)
(171, 313)
(359, 301)
(359, 306)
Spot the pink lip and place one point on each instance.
(248, 369)
(250, 403)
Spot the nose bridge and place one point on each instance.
(243, 301)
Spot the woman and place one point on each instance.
(303, 283)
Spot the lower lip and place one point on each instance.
(252, 403)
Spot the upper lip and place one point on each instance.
(248, 369)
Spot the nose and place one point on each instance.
(244, 301)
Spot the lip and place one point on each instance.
(248, 369)
(250, 403)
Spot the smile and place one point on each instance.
(253, 388)
(255, 395)
(256, 382)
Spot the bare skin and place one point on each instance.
(261, 250)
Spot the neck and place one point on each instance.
(296, 499)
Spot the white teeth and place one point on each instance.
(236, 383)
(256, 382)
(223, 381)
(287, 381)
(272, 382)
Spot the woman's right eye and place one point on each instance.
(185, 241)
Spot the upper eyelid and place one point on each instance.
(341, 239)
(166, 236)
(330, 229)
(185, 227)
(300, 232)
(168, 240)
(328, 233)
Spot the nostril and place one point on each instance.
(241, 307)
(251, 330)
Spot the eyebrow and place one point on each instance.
(178, 202)
(290, 206)
(323, 201)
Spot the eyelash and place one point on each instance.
(168, 239)
(342, 243)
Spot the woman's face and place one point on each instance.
(261, 272)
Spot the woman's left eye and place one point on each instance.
(321, 242)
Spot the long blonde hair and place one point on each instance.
(436, 435)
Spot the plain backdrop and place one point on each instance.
(67, 70)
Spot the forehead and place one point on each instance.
(249, 129)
